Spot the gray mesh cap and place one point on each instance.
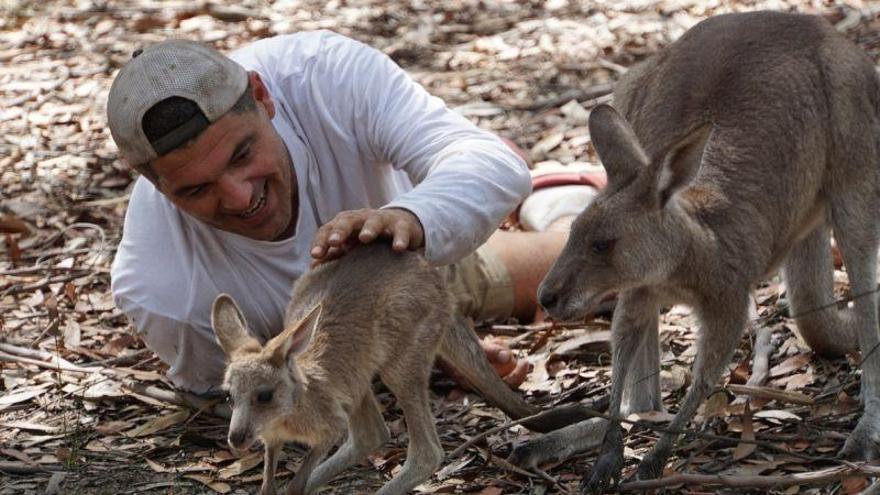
(180, 68)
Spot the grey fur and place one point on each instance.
(734, 152)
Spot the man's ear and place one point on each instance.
(294, 339)
(617, 146)
(229, 325)
(680, 164)
(261, 93)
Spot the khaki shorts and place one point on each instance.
(481, 285)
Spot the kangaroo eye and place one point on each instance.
(264, 397)
(602, 247)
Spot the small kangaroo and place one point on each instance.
(371, 312)
(736, 149)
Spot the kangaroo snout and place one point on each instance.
(240, 439)
(547, 298)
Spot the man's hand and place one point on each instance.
(349, 228)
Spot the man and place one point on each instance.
(297, 146)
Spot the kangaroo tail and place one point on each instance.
(461, 348)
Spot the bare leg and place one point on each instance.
(722, 324)
(270, 461)
(366, 433)
(528, 257)
(635, 317)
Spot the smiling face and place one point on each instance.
(236, 175)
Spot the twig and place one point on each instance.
(27, 270)
(56, 366)
(573, 94)
(592, 413)
(51, 327)
(41, 356)
(458, 451)
(20, 468)
(773, 394)
(808, 478)
(13, 288)
(550, 479)
(180, 398)
(133, 357)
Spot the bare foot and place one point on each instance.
(513, 371)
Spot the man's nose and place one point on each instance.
(236, 193)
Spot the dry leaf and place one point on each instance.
(740, 375)
(714, 406)
(12, 225)
(217, 486)
(854, 484)
(777, 414)
(117, 345)
(241, 466)
(22, 395)
(793, 363)
(158, 424)
(156, 467)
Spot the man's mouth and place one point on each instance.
(258, 205)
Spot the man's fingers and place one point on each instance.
(365, 226)
(344, 227)
(401, 236)
(373, 226)
(337, 231)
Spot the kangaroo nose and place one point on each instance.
(548, 299)
(237, 438)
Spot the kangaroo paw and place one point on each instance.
(651, 467)
(864, 442)
(605, 473)
(559, 445)
(535, 452)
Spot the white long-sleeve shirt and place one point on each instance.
(361, 134)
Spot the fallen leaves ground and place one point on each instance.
(84, 407)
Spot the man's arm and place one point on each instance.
(195, 360)
(467, 179)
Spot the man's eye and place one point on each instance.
(264, 397)
(195, 191)
(243, 154)
(602, 247)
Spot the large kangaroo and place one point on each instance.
(735, 150)
(371, 312)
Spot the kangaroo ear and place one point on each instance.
(229, 325)
(617, 146)
(296, 338)
(680, 164)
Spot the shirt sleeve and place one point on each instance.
(195, 360)
(466, 178)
